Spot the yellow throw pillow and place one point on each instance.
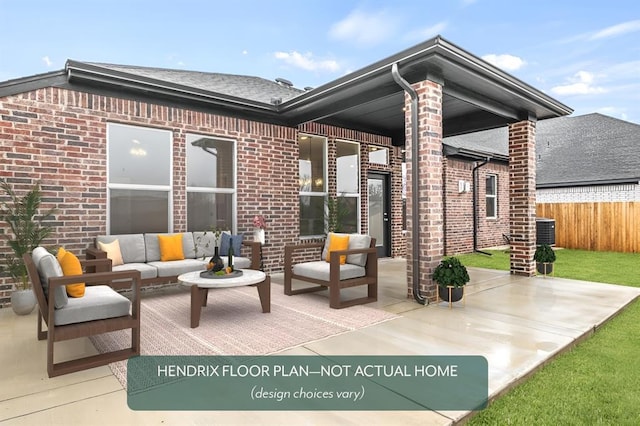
(113, 252)
(71, 266)
(338, 242)
(170, 247)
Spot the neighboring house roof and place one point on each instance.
(591, 149)
(475, 94)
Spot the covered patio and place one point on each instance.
(518, 323)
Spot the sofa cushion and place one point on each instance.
(153, 246)
(146, 271)
(226, 240)
(48, 267)
(113, 251)
(337, 243)
(99, 302)
(132, 246)
(358, 241)
(170, 247)
(205, 243)
(177, 267)
(320, 270)
(70, 265)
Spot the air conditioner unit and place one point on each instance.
(545, 231)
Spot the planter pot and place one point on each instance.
(544, 268)
(23, 301)
(456, 293)
(258, 235)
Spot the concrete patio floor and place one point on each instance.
(517, 323)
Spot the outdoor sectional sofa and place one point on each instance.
(141, 252)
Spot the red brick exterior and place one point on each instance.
(430, 183)
(58, 136)
(522, 191)
(459, 206)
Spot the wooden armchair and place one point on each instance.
(100, 310)
(332, 274)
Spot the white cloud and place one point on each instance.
(307, 61)
(505, 61)
(582, 83)
(617, 30)
(427, 32)
(613, 112)
(47, 61)
(364, 28)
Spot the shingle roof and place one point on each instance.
(581, 150)
(241, 86)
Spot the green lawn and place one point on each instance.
(598, 381)
(604, 267)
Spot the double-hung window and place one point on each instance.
(348, 185)
(312, 182)
(139, 179)
(491, 196)
(211, 183)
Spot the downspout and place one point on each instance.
(415, 217)
(474, 173)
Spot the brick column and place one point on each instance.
(522, 196)
(430, 204)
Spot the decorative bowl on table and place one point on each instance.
(225, 273)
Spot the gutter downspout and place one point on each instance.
(474, 172)
(415, 237)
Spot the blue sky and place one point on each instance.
(585, 54)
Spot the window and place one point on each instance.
(491, 196)
(211, 183)
(348, 184)
(312, 182)
(139, 179)
(379, 155)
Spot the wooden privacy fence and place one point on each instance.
(595, 226)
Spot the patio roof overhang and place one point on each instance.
(476, 95)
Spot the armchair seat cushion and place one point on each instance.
(320, 270)
(99, 302)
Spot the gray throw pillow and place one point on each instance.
(48, 267)
(358, 241)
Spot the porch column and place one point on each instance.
(522, 196)
(430, 199)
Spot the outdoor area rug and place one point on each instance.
(232, 323)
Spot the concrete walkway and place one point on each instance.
(517, 323)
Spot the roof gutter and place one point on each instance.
(415, 217)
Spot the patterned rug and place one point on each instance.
(232, 323)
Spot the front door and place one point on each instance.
(379, 212)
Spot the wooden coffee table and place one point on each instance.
(200, 289)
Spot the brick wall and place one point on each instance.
(459, 206)
(58, 136)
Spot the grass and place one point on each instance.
(603, 267)
(596, 382)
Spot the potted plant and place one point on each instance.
(452, 275)
(544, 257)
(27, 230)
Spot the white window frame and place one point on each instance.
(212, 190)
(322, 194)
(494, 197)
(352, 194)
(137, 187)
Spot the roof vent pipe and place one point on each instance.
(284, 82)
(415, 217)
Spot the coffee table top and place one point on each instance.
(248, 277)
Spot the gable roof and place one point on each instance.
(476, 95)
(255, 89)
(591, 149)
